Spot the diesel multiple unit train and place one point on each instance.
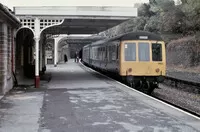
(138, 58)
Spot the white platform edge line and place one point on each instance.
(1, 97)
(145, 94)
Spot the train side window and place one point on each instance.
(117, 51)
(110, 53)
(156, 52)
(102, 53)
(99, 52)
(106, 51)
(130, 51)
(113, 52)
(144, 52)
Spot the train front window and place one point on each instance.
(130, 52)
(144, 53)
(156, 52)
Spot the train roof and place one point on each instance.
(138, 35)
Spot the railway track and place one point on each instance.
(184, 86)
(178, 106)
(176, 83)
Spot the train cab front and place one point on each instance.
(143, 62)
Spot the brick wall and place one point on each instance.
(3, 55)
(6, 81)
(13, 50)
(9, 59)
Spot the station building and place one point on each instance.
(8, 27)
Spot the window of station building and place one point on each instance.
(156, 52)
(130, 51)
(144, 53)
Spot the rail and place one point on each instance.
(176, 81)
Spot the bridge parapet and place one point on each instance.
(72, 19)
(64, 11)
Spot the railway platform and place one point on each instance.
(78, 99)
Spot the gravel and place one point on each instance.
(186, 100)
(183, 75)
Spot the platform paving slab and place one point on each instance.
(20, 112)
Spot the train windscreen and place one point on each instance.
(156, 52)
(144, 52)
(130, 52)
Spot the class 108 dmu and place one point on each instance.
(138, 58)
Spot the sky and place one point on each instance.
(11, 3)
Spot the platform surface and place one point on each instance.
(78, 99)
(87, 101)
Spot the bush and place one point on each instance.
(184, 52)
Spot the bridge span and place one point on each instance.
(39, 22)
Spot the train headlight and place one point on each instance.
(157, 70)
(129, 69)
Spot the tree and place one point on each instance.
(191, 9)
(178, 2)
(158, 6)
(173, 21)
(153, 24)
(144, 11)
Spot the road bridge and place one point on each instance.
(39, 22)
(74, 20)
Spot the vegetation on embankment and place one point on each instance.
(178, 23)
(182, 21)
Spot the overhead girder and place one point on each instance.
(85, 26)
